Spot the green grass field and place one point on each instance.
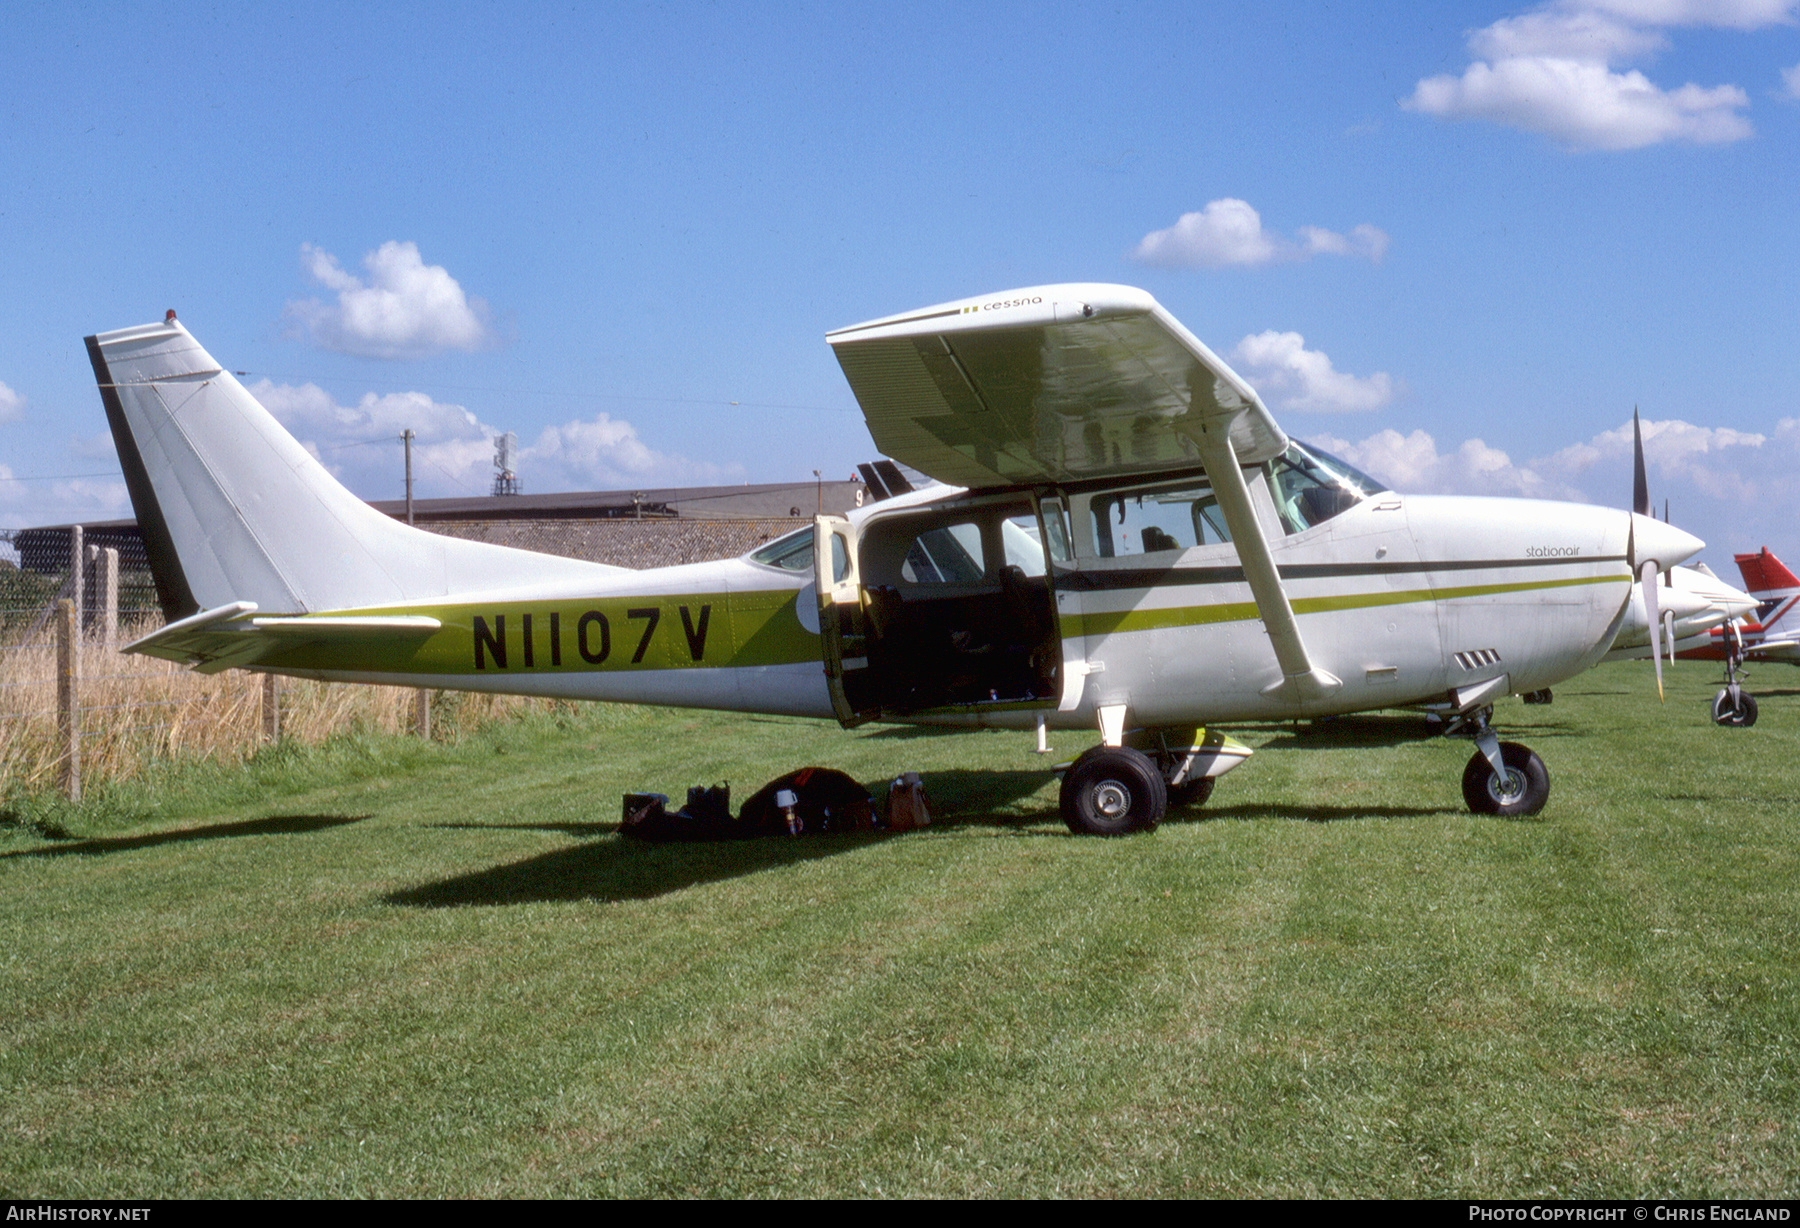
(380, 967)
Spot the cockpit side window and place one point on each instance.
(1310, 487)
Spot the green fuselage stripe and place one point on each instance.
(1102, 622)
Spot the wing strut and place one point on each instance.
(1301, 679)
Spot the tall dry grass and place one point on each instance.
(137, 712)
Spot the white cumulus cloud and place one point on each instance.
(404, 308)
(453, 450)
(1229, 231)
(11, 404)
(1289, 375)
(1556, 71)
(1585, 105)
(1790, 79)
(1710, 459)
(1719, 462)
(1413, 464)
(1732, 488)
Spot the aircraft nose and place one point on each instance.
(1725, 602)
(1666, 544)
(1700, 602)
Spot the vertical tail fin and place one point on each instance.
(1764, 574)
(1776, 590)
(232, 508)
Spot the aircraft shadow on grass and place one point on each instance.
(617, 869)
(274, 825)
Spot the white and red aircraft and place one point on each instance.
(1769, 630)
(1125, 541)
(1774, 633)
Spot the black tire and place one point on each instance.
(1193, 792)
(1524, 792)
(1741, 717)
(1112, 791)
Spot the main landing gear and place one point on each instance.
(1502, 778)
(1113, 790)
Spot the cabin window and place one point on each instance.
(790, 552)
(1023, 544)
(1156, 520)
(948, 554)
(1056, 530)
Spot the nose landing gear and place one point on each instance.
(1503, 779)
(1733, 707)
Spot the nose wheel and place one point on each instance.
(1502, 778)
(1520, 787)
(1734, 708)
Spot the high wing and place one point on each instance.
(1060, 383)
(1052, 383)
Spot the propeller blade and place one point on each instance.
(1640, 481)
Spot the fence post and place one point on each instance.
(271, 708)
(109, 597)
(422, 713)
(68, 687)
(77, 573)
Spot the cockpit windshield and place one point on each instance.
(1310, 486)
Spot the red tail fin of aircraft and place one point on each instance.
(1765, 575)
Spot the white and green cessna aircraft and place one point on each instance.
(1126, 542)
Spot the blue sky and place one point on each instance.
(1457, 243)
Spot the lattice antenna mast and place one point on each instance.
(506, 452)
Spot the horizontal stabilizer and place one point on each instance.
(232, 637)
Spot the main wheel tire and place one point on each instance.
(1192, 792)
(1111, 791)
(1524, 790)
(1742, 716)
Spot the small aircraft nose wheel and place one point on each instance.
(1113, 790)
(1523, 790)
(1740, 714)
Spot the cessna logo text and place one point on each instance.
(1002, 304)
